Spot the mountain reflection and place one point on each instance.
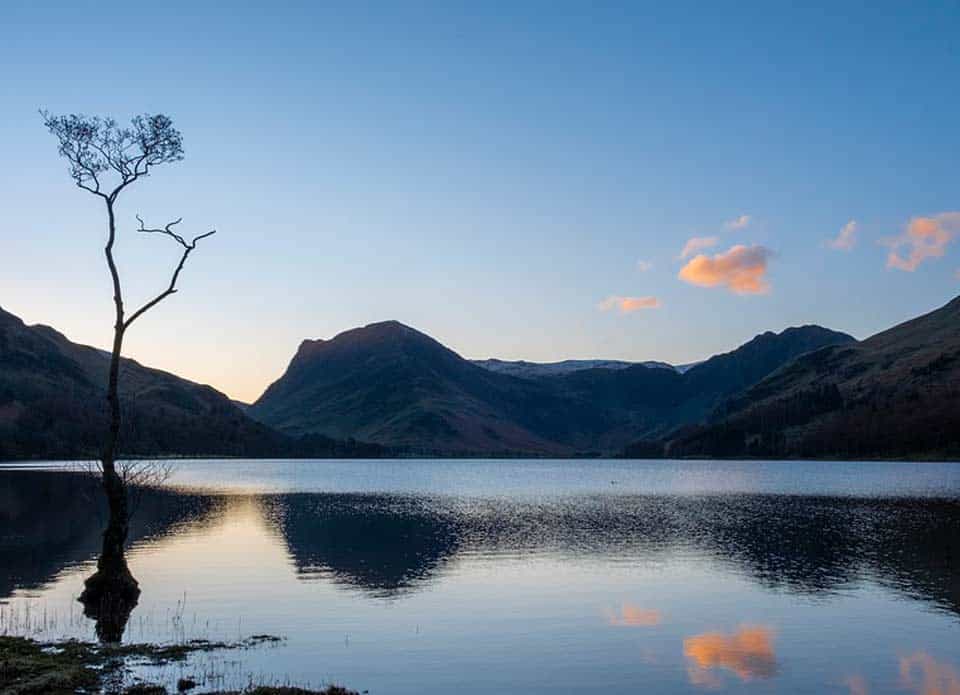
(390, 545)
(748, 653)
(382, 544)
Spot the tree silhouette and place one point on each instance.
(104, 160)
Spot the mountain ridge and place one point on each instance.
(389, 383)
(387, 388)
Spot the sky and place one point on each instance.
(524, 180)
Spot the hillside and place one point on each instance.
(403, 392)
(53, 405)
(896, 394)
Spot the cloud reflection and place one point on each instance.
(922, 674)
(857, 685)
(748, 653)
(635, 616)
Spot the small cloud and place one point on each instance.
(748, 653)
(644, 266)
(922, 674)
(956, 274)
(635, 616)
(846, 239)
(924, 237)
(628, 305)
(697, 243)
(742, 270)
(740, 222)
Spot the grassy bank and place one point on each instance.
(28, 667)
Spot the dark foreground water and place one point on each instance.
(521, 576)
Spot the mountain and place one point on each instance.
(388, 383)
(711, 382)
(896, 394)
(652, 402)
(388, 388)
(391, 384)
(53, 405)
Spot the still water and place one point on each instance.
(519, 576)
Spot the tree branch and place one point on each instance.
(188, 247)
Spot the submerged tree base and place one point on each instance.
(118, 584)
(28, 667)
(109, 596)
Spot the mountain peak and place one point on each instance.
(378, 329)
(386, 329)
(378, 334)
(357, 338)
(388, 325)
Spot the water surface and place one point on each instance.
(521, 576)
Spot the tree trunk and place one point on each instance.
(111, 592)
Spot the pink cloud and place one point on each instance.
(924, 237)
(628, 305)
(643, 266)
(742, 270)
(738, 222)
(846, 239)
(697, 243)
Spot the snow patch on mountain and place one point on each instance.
(522, 368)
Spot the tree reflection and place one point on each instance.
(52, 521)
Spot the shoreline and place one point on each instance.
(10, 463)
(66, 667)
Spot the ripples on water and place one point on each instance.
(422, 577)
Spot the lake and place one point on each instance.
(526, 576)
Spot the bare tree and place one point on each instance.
(104, 160)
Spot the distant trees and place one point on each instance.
(104, 159)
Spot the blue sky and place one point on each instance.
(490, 173)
